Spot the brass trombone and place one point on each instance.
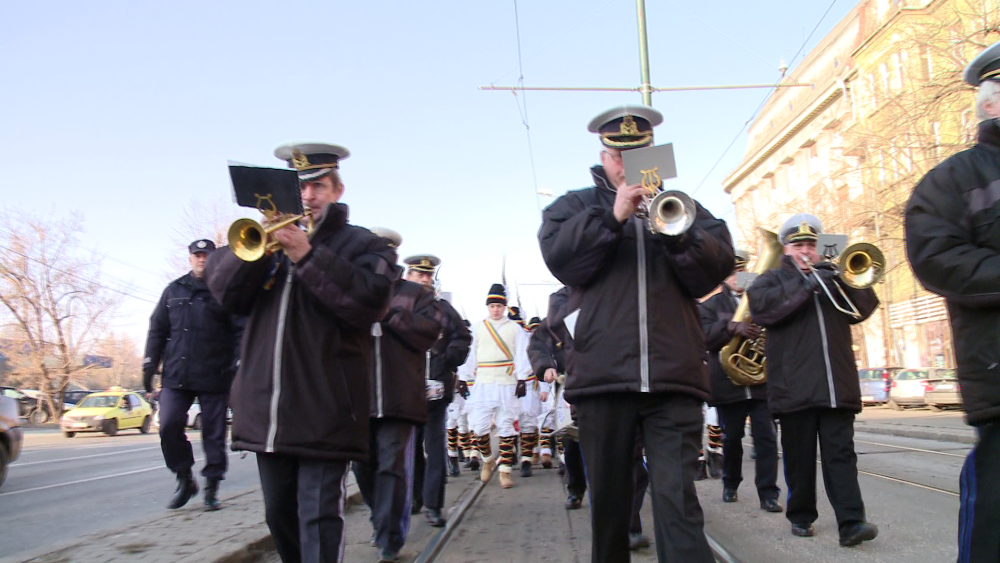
(860, 266)
(250, 241)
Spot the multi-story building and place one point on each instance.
(886, 104)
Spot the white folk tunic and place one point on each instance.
(498, 358)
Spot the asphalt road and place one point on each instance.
(63, 488)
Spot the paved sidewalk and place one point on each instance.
(238, 533)
(235, 534)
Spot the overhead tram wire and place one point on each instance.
(523, 112)
(764, 101)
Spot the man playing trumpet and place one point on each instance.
(812, 378)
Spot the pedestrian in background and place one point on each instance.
(198, 345)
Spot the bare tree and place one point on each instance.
(203, 220)
(53, 301)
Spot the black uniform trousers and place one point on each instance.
(386, 480)
(835, 428)
(733, 417)
(430, 473)
(304, 506)
(979, 508)
(576, 479)
(671, 425)
(174, 405)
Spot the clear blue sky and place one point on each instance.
(127, 112)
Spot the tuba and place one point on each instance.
(743, 359)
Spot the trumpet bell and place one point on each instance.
(861, 265)
(247, 239)
(671, 213)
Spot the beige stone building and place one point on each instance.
(886, 104)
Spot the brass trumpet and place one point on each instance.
(250, 241)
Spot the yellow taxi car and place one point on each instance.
(108, 411)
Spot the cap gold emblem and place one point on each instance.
(299, 160)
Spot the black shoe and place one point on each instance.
(416, 507)
(729, 495)
(771, 505)
(637, 541)
(856, 533)
(803, 530)
(186, 488)
(434, 518)
(573, 502)
(387, 556)
(453, 463)
(525, 469)
(561, 470)
(474, 464)
(212, 495)
(702, 474)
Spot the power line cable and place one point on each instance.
(79, 277)
(554, 41)
(763, 102)
(735, 42)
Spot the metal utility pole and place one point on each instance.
(647, 86)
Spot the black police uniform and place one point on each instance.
(198, 343)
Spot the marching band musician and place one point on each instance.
(301, 395)
(546, 443)
(498, 361)
(638, 342)
(445, 356)
(735, 402)
(953, 243)
(536, 393)
(812, 379)
(549, 350)
(398, 406)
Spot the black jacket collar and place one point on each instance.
(601, 178)
(989, 133)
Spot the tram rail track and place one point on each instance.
(439, 541)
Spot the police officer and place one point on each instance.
(198, 344)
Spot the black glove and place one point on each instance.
(463, 389)
(147, 379)
(521, 389)
(746, 330)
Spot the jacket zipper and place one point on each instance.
(826, 352)
(272, 428)
(643, 317)
(377, 333)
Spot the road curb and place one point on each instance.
(925, 433)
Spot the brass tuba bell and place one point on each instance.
(743, 360)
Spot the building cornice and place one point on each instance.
(793, 128)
